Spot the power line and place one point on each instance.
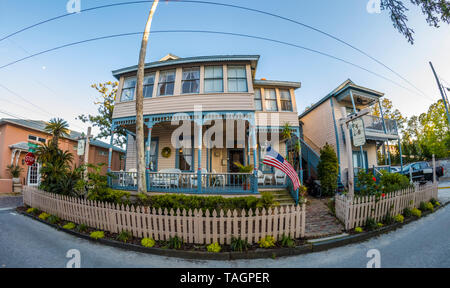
(213, 32)
(230, 6)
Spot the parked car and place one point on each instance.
(422, 171)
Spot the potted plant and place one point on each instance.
(245, 169)
(15, 171)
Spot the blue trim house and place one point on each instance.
(205, 92)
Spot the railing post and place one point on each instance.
(110, 151)
(255, 168)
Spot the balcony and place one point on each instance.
(375, 129)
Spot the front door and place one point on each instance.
(34, 177)
(235, 155)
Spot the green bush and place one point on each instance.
(174, 243)
(239, 245)
(82, 228)
(32, 211)
(358, 230)
(124, 236)
(371, 224)
(434, 201)
(399, 218)
(388, 219)
(391, 182)
(328, 170)
(52, 219)
(69, 226)
(99, 189)
(148, 242)
(287, 241)
(173, 201)
(214, 247)
(416, 212)
(379, 225)
(407, 212)
(267, 242)
(44, 216)
(97, 235)
(423, 206)
(367, 184)
(429, 206)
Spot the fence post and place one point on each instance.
(434, 170)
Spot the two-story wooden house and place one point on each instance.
(231, 117)
(320, 125)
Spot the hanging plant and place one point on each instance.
(166, 151)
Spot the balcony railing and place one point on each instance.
(210, 183)
(375, 124)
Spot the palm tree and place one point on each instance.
(58, 128)
(141, 181)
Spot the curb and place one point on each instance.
(257, 254)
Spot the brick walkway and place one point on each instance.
(10, 201)
(319, 221)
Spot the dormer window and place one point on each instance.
(285, 99)
(128, 89)
(166, 82)
(191, 80)
(237, 79)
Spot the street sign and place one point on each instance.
(30, 158)
(32, 147)
(80, 148)
(358, 132)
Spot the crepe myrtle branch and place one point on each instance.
(434, 10)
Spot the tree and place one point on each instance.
(141, 181)
(103, 120)
(58, 128)
(434, 10)
(388, 112)
(328, 170)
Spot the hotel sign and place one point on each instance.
(358, 132)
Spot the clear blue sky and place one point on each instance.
(60, 81)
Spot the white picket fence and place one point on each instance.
(354, 212)
(191, 226)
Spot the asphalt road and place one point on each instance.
(27, 243)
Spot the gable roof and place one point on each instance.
(197, 59)
(347, 84)
(39, 125)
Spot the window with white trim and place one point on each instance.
(213, 79)
(149, 81)
(270, 97)
(285, 100)
(166, 82)
(258, 100)
(237, 79)
(191, 80)
(129, 86)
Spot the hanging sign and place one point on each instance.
(30, 158)
(80, 147)
(358, 132)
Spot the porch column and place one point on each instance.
(360, 147)
(385, 132)
(254, 147)
(199, 154)
(400, 151)
(149, 144)
(111, 141)
(300, 164)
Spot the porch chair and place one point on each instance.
(193, 179)
(280, 177)
(261, 178)
(219, 180)
(166, 178)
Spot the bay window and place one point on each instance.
(237, 79)
(285, 99)
(271, 99)
(149, 81)
(191, 80)
(129, 86)
(213, 79)
(166, 83)
(258, 100)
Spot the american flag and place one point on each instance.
(274, 159)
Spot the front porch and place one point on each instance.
(178, 164)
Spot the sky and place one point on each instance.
(57, 84)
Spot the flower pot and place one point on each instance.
(16, 180)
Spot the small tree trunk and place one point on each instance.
(141, 181)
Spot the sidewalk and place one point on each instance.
(10, 201)
(444, 192)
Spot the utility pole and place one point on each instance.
(86, 150)
(345, 122)
(442, 92)
(141, 169)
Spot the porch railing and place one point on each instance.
(188, 182)
(373, 123)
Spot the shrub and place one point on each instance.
(32, 211)
(371, 224)
(388, 219)
(423, 206)
(174, 243)
(407, 212)
(69, 226)
(214, 247)
(287, 241)
(267, 242)
(44, 216)
(238, 244)
(82, 228)
(148, 242)
(52, 219)
(358, 230)
(437, 204)
(97, 235)
(328, 170)
(391, 182)
(433, 201)
(332, 206)
(429, 206)
(124, 236)
(416, 212)
(367, 184)
(14, 170)
(379, 225)
(399, 218)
